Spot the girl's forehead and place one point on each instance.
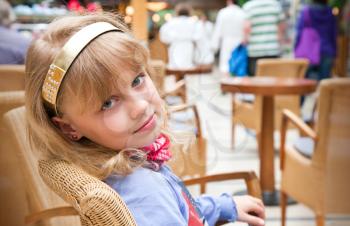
(121, 81)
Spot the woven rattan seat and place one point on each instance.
(96, 202)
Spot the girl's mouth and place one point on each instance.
(149, 124)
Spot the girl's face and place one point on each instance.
(130, 118)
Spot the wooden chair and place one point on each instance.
(341, 61)
(190, 164)
(11, 77)
(158, 50)
(37, 196)
(89, 198)
(249, 114)
(181, 73)
(191, 161)
(321, 181)
(158, 74)
(12, 194)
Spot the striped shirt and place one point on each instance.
(264, 16)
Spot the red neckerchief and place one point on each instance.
(158, 152)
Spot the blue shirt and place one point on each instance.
(156, 198)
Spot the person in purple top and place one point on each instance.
(13, 45)
(324, 22)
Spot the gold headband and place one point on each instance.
(65, 58)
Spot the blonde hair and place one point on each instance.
(90, 79)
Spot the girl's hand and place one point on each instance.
(250, 210)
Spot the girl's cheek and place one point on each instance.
(118, 123)
(152, 94)
(156, 100)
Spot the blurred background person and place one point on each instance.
(265, 30)
(204, 54)
(324, 22)
(13, 45)
(180, 34)
(228, 32)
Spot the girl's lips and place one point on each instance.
(148, 125)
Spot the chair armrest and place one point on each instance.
(250, 179)
(11, 99)
(50, 213)
(288, 115)
(178, 86)
(172, 109)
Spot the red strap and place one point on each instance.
(193, 218)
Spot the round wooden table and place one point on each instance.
(181, 73)
(268, 87)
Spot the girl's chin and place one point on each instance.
(149, 140)
(146, 139)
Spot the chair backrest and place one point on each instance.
(12, 194)
(158, 50)
(11, 77)
(285, 68)
(332, 153)
(96, 202)
(39, 196)
(191, 161)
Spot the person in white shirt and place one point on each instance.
(180, 34)
(204, 54)
(228, 32)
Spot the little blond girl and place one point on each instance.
(90, 101)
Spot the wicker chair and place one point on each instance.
(91, 199)
(321, 181)
(249, 114)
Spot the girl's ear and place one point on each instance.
(66, 128)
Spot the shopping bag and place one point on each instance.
(310, 42)
(238, 62)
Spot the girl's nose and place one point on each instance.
(138, 107)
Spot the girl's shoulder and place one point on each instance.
(142, 178)
(146, 192)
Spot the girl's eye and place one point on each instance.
(108, 104)
(138, 80)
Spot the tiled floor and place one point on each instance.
(215, 112)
